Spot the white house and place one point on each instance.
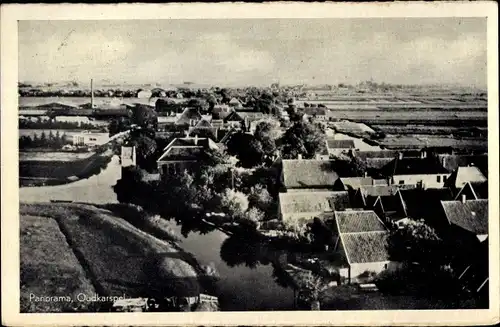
(144, 94)
(90, 139)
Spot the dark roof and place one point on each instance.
(365, 247)
(54, 106)
(413, 166)
(355, 221)
(452, 162)
(462, 175)
(376, 154)
(308, 173)
(392, 206)
(220, 115)
(471, 215)
(339, 144)
(191, 153)
(339, 201)
(414, 200)
(377, 163)
(202, 132)
(203, 123)
(233, 116)
(187, 115)
(480, 189)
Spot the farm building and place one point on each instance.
(181, 153)
(424, 171)
(309, 174)
(360, 239)
(90, 139)
(302, 207)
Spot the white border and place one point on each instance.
(9, 168)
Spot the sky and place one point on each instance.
(240, 52)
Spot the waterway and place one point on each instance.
(247, 281)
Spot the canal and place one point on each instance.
(247, 281)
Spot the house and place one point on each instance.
(365, 196)
(360, 240)
(235, 103)
(467, 219)
(144, 94)
(302, 207)
(424, 170)
(182, 153)
(234, 120)
(425, 203)
(462, 175)
(204, 129)
(90, 139)
(390, 208)
(452, 162)
(309, 174)
(189, 117)
(474, 191)
(337, 147)
(316, 113)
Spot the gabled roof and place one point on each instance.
(339, 201)
(187, 115)
(203, 123)
(357, 182)
(308, 173)
(305, 202)
(391, 206)
(415, 198)
(365, 247)
(413, 166)
(471, 215)
(356, 221)
(220, 115)
(462, 175)
(233, 116)
(332, 143)
(182, 154)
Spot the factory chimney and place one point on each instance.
(92, 93)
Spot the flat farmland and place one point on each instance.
(422, 141)
(429, 129)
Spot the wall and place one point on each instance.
(430, 181)
(377, 267)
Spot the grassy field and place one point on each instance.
(49, 267)
(122, 259)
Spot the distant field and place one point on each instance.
(433, 130)
(53, 156)
(49, 267)
(421, 141)
(58, 172)
(77, 101)
(122, 259)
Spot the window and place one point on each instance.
(445, 178)
(438, 178)
(385, 266)
(401, 182)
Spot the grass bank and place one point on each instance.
(122, 259)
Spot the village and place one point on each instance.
(352, 191)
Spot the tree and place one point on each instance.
(247, 149)
(252, 218)
(417, 243)
(144, 116)
(234, 204)
(267, 132)
(260, 199)
(302, 138)
(349, 166)
(311, 287)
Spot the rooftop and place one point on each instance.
(308, 173)
(357, 221)
(365, 247)
(303, 202)
(332, 143)
(413, 166)
(471, 215)
(187, 115)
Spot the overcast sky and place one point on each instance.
(256, 52)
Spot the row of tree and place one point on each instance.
(52, 124)
(52, 141)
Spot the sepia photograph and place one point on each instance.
(254, 164)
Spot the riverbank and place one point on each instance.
(118, 258)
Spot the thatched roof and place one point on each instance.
(303, 202)
(308, 174)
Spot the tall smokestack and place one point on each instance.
(91, 93)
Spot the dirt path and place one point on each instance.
(95, 189)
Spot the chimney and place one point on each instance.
(366, 174)
(400, 155)
(423, 154)
(443, 162)
(196, 139)
(91, 93)
(299, 156)
(464, 198)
